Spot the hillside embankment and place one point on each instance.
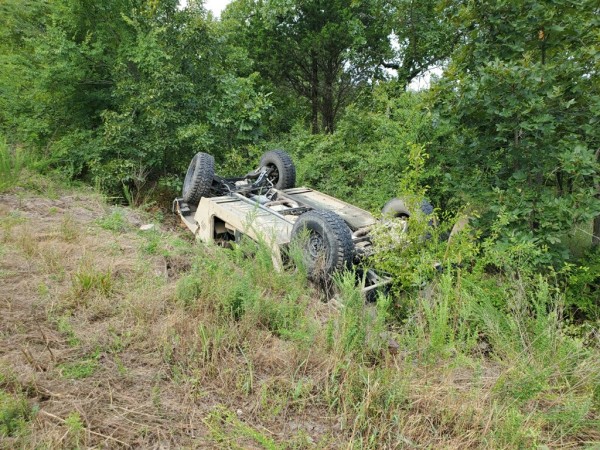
(115, 337)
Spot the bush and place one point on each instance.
(15, 412)
(583, 286)
(364, 160)
(99, 93)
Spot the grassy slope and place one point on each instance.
(112, 336)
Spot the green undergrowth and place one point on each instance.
(229, 431)
(16, 413)
(243, 284)
(486, 360)
(82, 368)
(115, 221)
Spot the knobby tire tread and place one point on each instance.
(201, 179)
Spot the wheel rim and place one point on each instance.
(274, 175)
(403, 221)
(315, 245)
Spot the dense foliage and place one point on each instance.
(122, 93)
(520, 100)
(116, 91)
(320, 50)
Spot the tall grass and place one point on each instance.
(242, 284)
(12, 161)
(474, 363)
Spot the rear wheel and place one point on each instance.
(396, 208)
(283, 170)
(199, 178)
(325, 241)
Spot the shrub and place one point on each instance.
(15, 412)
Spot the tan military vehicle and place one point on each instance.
(266, 206)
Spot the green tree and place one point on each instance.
(520, 100)
(316, 49)
(365, 159)
(20, 24)
(118, 89)
(424, 37)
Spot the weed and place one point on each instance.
(511, 430)
(238, 293)
(227, 429)
(15, 413)
(8, 222)
(152, 242)
(80, 369)
(246, 378)
(12, 162)
(213, 340)
(89, 280)
(137, 193)
(69, 228)
(54, 261)
(119, 340)
(43, 290)
(128, 195)
(115, 221)
(27, 243)
(50, 186)
(156, 396)
(75, 428)
(120, 366)
(188, 289)
(64, 326)
(273, 399)
(359, 330)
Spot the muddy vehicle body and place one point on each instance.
(266, 206)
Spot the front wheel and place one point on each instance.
(325, 242)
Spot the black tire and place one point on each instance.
(199, 178)
(325, 241)
(396, 207)
(283, 175)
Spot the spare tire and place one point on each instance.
(396, 207)
(283, 170)
(325, 241)
(199, 178)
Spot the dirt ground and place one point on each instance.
(84, 317)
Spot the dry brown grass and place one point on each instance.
(99, 335)
(149, 386)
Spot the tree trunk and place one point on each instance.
(328, 113)
(328, 110)
(314, 93)
(596, 227)
(596, 232)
